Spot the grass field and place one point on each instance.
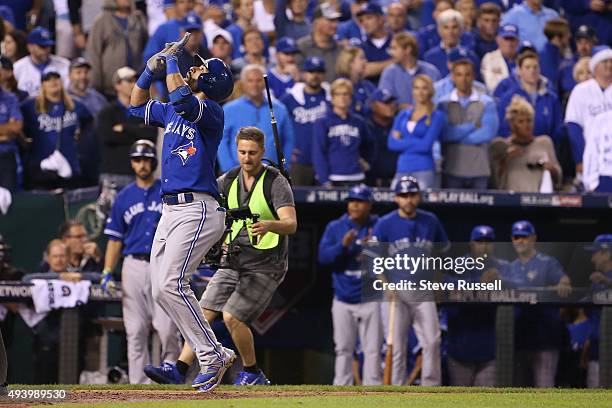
(129, 396)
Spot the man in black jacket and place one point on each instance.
(118, 130)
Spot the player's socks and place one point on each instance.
(182, 367)
(252, 369)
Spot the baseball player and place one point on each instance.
(242, 289)
(340, 249)
(130, 230)
(192, 220)
(408, 227)
(588, 100)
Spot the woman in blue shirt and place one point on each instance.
(414, 133)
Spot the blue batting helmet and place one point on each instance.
(218, 82)
(407, 184)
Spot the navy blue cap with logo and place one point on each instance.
(406, 185)
(601, 242)
(482, 232)
(286, 45)
(523, 228)
(382, 95)
(191, 22)
(40, 36)
(508, 31)
(360, 192)
(314, 64)
(458, 54)
(370, 8)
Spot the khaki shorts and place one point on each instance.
(245, 295)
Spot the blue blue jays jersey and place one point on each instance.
(191, 140)
(540, 270)
(45, 128)
(304, 109)
(134, 218)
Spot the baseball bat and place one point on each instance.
(277, 142)
(387, 375)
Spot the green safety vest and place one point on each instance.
(258, 204)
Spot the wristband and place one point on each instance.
(145, 79)
(106, 270)
(172, 65)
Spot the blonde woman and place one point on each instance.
(351, 64)
(52, 120)
(414, 133)
(520, 161)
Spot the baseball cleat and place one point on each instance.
(167, 373)
(208, 380)
(244, 378)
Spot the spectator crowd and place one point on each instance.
(473, 94)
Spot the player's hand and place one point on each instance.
(70, 276)
(563, 289)
(261, 227)
(108, 283)
(598, 277)
(157, 62)
(490, 275)
(174, 49)
(349, 237)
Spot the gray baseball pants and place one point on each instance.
(464, 374)
(139, 313)
(352, 321)
(184, 235)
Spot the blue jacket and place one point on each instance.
(512, 82)
(530, 24)
(438, 57)
(398, 81)
(548, 119)
(243, 112)
(344, 262)
(338, 145)
(416, 147)
(551, 62)
(468, 133)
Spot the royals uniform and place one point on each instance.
(353, 319)
(192, 221)
(597, 170)
(28, 74)
(133, 221)
(406, 235)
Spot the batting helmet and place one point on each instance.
(407, 184)
(144, 148)
(218, 82)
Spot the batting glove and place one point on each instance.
(157, 63)
(108, 283)
(174, 49)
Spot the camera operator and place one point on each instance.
(260, 201)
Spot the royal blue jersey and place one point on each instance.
(134, 218)
(190, 144)
(344, 261)
(414, 236)
(279, 83)
(338, 145)
(9, 110)
(45, 128)
(304, 109)
(361, 93)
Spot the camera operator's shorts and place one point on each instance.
(245, 295)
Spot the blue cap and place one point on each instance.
(286, 45)
(314, 64)
(191, 22)
(523, 229)
(526, 46)
(407, 184)
(50, 73)
(482, 232)
(460, 54)
(584, 31)
(382, 95)
(601, 242)
(508, 31)
(7, 14)
(370, 8)
(40, 36)
(360, 192)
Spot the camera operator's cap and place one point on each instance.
(326, 11)
(584, 31)
(80, 63)
(382, 95)
(314, 64)
(40, 36)
(508, 31)
(526, 46)
(407, 184)
(370, 8)
(191, 22)
(482, 232)
(523, 229)
(458, 54)
(600, 243)
(599, 56)
(287, 45)
(5, 62)
(50, 73)
(360, 192)
(124, 73)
